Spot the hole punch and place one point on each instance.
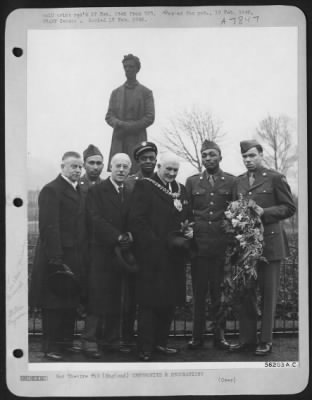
(18, 353)
(17, 51)
(18, 202)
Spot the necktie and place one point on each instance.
(251, 178)
(120, 193)
(211, 180)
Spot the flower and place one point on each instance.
(243, 225)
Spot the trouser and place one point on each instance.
(92, 332)
(58, 329)
(128, 308)
(207, 272)
(101, 330)
(268, 281)
(153, 326)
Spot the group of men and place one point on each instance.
(119, 246)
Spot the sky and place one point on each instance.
(240, 75)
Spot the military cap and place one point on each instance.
(143, 147)
(245, 145)
(209, 144)
(90, 151)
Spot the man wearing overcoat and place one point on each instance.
(107, 205)
(131, 110)
(59, 256)
(271, 192)
(158, 208)
(209, 193)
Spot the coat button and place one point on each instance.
(210, 212)
(250, 193)
(211, 203)
(212, 194)
(209, 222)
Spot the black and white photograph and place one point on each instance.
(158, 214)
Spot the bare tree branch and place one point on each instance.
(187, 132)
(275, 133)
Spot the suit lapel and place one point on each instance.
(260, 177)
(110, 193)
(68, 190)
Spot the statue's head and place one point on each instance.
(131, 66)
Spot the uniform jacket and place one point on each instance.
(161, 277)
(85, 184)
(132, 179)
(208, 204)
(270, 191)
(108, 218)
(61, 234)
(143, 115)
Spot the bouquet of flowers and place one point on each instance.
(244, 229)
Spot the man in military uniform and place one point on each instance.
(93, 165)
(209, 193)
(145, 155)
(271, 192)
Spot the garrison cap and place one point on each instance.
(143, 147)
(90, 151)
(209, 144)
(245, 145)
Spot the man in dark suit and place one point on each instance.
(209, 193)
(107, 205)
(58, 259)
(271, 192)
(131, 110)
(159, 206)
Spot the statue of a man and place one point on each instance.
(131, 110)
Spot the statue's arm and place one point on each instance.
(111, 117)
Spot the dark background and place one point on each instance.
(7, 6)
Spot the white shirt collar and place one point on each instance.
(73, 184)
(115, 184)
(165, 183)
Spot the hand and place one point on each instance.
(259, 210)
(124, 241)
(188, 233)
(56, 263)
